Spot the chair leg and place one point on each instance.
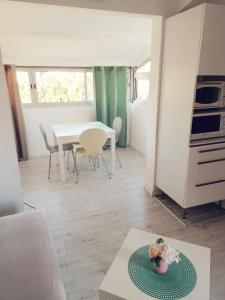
(49, 164)
(75, 162)
(118, 157)
(78, 172)
(94, 162)
(109, 174)
(93, 159)
(68, 160)
(97, 161)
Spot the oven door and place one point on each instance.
(208, 95)
(206, 126)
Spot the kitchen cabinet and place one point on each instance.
(194, 44)
(212, 48)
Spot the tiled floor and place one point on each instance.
(89, 221)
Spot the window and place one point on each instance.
(24, 86)
(90, 84)
(44, 85)
(143, 81)
(143, 86)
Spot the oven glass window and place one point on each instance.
(204, 124)
(207, 95)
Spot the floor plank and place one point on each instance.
(89, 220)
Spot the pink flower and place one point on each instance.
(154, 250)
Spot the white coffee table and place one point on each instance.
(117, 284)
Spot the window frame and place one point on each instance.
(34, 94)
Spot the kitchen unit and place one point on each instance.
(191, 167)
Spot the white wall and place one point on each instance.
(143, 117)
(211, 57)
(139, 115)
(155, 81)
(49, 116)
(10, 186)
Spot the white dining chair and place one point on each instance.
(54, 148)
(91, 143)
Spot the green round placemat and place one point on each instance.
(177, 283)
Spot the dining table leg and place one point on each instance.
(113, 154)
(57, 154)
(61, 161)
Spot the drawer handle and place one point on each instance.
(211, 150)
(209, 183)
(210, 161)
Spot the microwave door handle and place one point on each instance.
(202, 85)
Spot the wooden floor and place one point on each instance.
(90, 220)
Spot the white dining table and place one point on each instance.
(69, 133)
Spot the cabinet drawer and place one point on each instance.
(206, 192)
(209, 152)
(208, 170)
(206, 175)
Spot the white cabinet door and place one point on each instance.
(212, 53)
(180, 62)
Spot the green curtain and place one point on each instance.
(111, 97)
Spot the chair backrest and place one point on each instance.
(117, 126)
(45, 137)
(92, 140)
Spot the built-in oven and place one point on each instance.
(208, 125)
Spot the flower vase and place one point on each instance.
(163, 267)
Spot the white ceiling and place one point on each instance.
(192, 3)
(36, 34)
(150, 7)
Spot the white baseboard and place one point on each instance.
(45, 154)
(38, 155)
(138, 149)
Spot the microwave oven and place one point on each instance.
(208, 125)
(210, 95)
